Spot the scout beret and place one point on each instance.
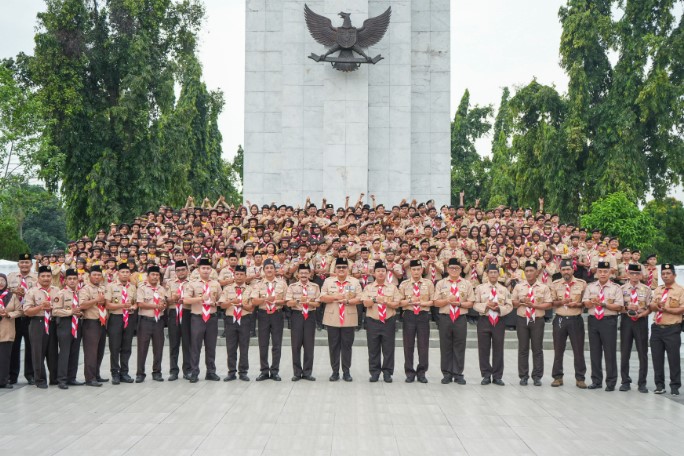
(111, 259)
(96, 268)
(329, 206)
(180, 264)
(123, 266)
(415, 263)
(653, 255)
(70, 272)
(454, 262)
(667, 267)
(380, 265)
(492, 267)
(365, 249)
(574, 236)
(565, 263)
(269, 262)
(240, 268)
(530, 264)
(42, 269)
(603, 265)
(151, 269)
(634, 268)
(341, 262)
(24, 256)
(164, 255)
(204, 262)
(304, 266)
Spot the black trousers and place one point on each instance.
(203, 333)
(603, 343)
(94, 339)
(340, 341)
(303, 335)
(237, 337)
(5, 358)
(666, 339)
(416, 327)
(51, 354)
(120, 342)
(69, 349)
(150, 330)
(179, 339)
(452, 345)
(270, 333)
(633, 332)
(380, 337)
(21, 326)
(564, 328)
(39, 348)
(531, 334)
(490, 339)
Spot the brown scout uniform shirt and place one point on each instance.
(675, 298)
(88, 293)
(611, 291)
(390, 293)
(443, 291)
(482, 294)
(294, 293)
(113, 294)
(35, 297)
(172, 287)
(427, 293)
(145, 294)
(230, 292)
(64, 308)
(577, 287)
(195, 289)
(542, 294)
(7, 328)
(260, 290)
(643, 295)
(331, 317)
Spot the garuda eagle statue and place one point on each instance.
(346, 39)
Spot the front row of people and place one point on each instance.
(60, 320)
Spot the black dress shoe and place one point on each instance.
(498, 381)
(126, 378)
(387, 378)
(244, 377)
(75, 383)
(594, 386)
(30, 381)
(6, 386)
(193, 379)
(486, 381)
(347, 377)
(139, 378)
(102, 380)
(93, 383)
(625, 387)
(263, 376)
(460, 380)
(62, 386)
(212, 377)
(334, 377)
(295, 378)
(42, 385)
(230, 378)
(186, 376)
(157, 377)
(659, 390)
(523, 381)
(610, 388)
(643, 389)
(276, 377)
(13, 381)
(537, 382)
(115, 380)
(173, 377)
(445, 380)
(310, 378)
(422, 379)
(374, 378)
(410, 379)
(674, 391)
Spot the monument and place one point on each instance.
(315, 126)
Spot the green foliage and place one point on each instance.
(11, 245)
(668, 217)
(617, 215)
(469, 172)
(502, 186)
(121, 142)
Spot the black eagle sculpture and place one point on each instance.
(346, 39)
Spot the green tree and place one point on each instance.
(502, 186)
(668, 217)
(469, 171)
(11, 245)
(617, 215)
(121, 142)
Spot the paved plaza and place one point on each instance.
(323, 418)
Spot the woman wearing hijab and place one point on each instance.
(9, 310)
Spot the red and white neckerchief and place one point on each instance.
(305, 305)
(545, 276)
(663, 300)
(74, 318)
(46, 313)
(390, 272)
(568, 286)
(237, 309)
(340, 306)
(364, 277)
(155, 299)
(530, 312)
(416, 294)
(206, 304)
(109, 278)
(323, 264)
(433, 274)
(634, 300)
(102, 314)
(491, 314)
(23, 285)
(270, 292)
(651, 274)
(382, 307)
(599, 312)
(473, 274)
(124, 300)
(455, 311)
(179, 306)
(2, 296)
(80, 285)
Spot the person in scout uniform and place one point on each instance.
(68, 315)
(19, 284)
(10, 311)
(235, 299)
(151, 302)
(634, 327)
(178, 320)
(120, 301)
(302, 297)
(91, 299)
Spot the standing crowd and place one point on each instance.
(358, 267)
